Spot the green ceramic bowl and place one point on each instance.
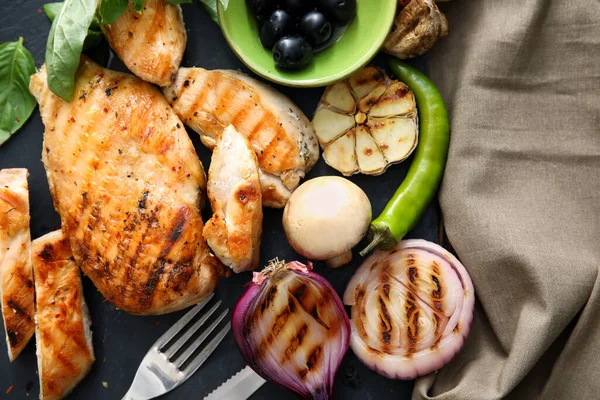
(356, 48)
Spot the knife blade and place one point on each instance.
(239, 387)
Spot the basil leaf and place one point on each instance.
(138, 5)
(92, 39)
(94, 36)
(111, 10)
(179, 1)
(52, 9)
(211, 8)
(16, 103)
(65, 42)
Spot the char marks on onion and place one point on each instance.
(411, 309)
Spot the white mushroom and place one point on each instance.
(325, 218)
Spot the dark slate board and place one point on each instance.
(120, 339)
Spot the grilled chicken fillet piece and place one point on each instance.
(151, 44)
(63, 326)
(127, 184)
(281, 135)
(234, 230)
(16, 279)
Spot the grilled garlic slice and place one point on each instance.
(366, 123)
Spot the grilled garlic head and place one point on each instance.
(366, 123)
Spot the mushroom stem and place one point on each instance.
(340, 260)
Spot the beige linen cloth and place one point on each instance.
(521, 196)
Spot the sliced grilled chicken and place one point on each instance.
(63, 326)
(281, 135)
(16, 279)
(127, 184)
(234, 230)
(151, 44)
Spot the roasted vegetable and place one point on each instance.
(425, 174)
(291, 328)
(417, 27)
(366, 123)
(411, 309)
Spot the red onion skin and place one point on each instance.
(423, 362)
(243, 308)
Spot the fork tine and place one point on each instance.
(208, 349)
(174, 348)
(170, 334)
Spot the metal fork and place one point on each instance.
(165, 366)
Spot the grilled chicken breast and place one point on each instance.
(127, 184)
(281, 135)
(151, 44)
(16, 279)
(63, 327)
(234, 230)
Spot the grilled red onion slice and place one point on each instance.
(291, 328)
(411, 309)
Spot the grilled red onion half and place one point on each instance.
(412, 309)
(291, 328)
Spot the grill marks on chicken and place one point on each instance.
(64, 339)
(127, 184)
(234, 230)
(16, 279)
(151, 44)
(282, 137)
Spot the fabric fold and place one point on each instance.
(521, 196)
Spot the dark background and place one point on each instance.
(121, 340)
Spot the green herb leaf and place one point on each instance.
(65, 42)
(94, 36)
(211, 8)
(111, 10)
(16, 103)
(52, 9)
(138, 5)
(92, 39)
(178, 1)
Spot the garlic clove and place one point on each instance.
(398, 99)
(341, 154)
(329, 125)
(416, 29)
(340, 97)
(370, 159)
(366, 80)
(365, 104)
(396, 137)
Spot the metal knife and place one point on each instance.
(239, 387)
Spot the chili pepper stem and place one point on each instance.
(381, 236)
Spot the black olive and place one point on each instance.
(297, 6)
(279, 24)
(314, 27)
(261, 8)
(292, 52)
(339, 10)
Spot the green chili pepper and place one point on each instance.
(425, 174)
